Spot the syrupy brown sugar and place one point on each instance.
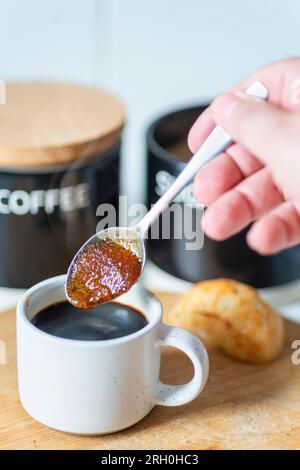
(103, 271)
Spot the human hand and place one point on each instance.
(258, 178)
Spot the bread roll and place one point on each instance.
(232, 316)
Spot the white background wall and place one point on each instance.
(156, 54)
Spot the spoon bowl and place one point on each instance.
(129, 240)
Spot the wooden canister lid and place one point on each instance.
(55, 123)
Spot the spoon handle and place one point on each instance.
(217, 141)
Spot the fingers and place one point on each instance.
(282, 78)
(223, 173)
(240, 190)
(276, 231)
(235, 209)
(262, 128)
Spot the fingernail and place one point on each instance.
(225, 105)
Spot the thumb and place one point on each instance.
(263, 128)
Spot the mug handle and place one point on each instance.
(175, 395)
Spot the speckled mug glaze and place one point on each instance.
(99, 387)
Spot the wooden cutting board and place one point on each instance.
(243, 406)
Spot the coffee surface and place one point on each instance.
(107, 321)
(103, 271)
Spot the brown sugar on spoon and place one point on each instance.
(103, 271)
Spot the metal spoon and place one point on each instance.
(133, 238)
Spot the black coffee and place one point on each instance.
(107, 321)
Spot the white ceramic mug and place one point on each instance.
(95, 387)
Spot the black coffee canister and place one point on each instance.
(59, 160)
(167, 155)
